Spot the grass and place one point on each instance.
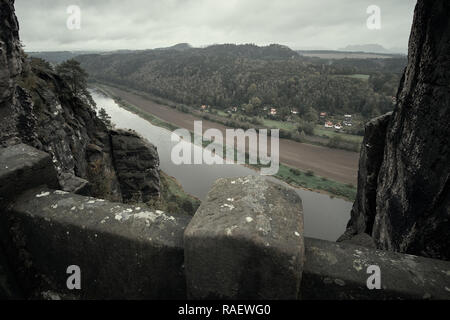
(292, 176)
(319, 130)
(174, 199)
(221, 113)
(363, 77)
(279, 124)
(310, 181)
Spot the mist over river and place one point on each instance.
(324, 217)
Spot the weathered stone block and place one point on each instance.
(23, 167)
(339, 271)
(245, 242)
(74, 184)
(123, 251)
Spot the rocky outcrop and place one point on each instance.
(412, 211)
(371, 156)
(10, 51)
(14, 103)
(137, 164)
(43, 112)
(69, 130)
(413, 197)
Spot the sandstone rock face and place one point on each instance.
(372, 149)
(245, 242)
(412, 198)
(137, 164)
(360, 239)
(10, 57)
(51, 118)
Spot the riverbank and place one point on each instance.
(335, 164)
(288, 129)
(305, 179)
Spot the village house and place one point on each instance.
(273, 112)
(328, 124)
(394, 100)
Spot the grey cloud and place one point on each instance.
(142, 24)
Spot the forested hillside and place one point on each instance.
(254, 78)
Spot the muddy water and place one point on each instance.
(325, 217)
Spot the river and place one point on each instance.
(325, 217)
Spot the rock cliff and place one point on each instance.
(403, 186)
(38, 108)
(136, 162)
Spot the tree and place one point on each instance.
(252, 89)
(249, 108)
(256, 102)
(106, 119)
(311, 115)
(76, 78)
(73, 74)
(305, 127)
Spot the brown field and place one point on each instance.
(339, 165)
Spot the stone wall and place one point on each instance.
(123, 251)
(245, 242)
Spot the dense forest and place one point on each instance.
(254, 78)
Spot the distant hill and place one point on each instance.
(333, 54)
(56, 57)
(372, 48)
(254, 78)
(177, 47)
(251, 51)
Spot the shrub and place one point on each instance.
(306, 127)
(335, 142)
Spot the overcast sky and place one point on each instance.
(145, 24)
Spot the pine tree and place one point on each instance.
(105, 118)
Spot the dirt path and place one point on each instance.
(339, 165)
